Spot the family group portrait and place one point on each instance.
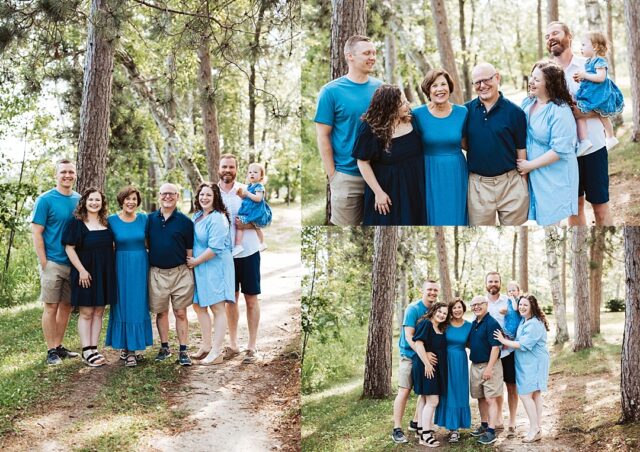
(471, 113)
(150, 225)
(464, 338)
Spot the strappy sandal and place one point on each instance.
(427, 439)
(131, 361)
(101, 359)
(123, 354)
(454, 437)
(91, 359)
(200, 355)
(419, 432)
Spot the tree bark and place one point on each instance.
(170, 108)
(594, 18)
(93, 142)
(612, 59)
(559, 305)
(539, 31)
(596, 259)
(632, 19)
(406, 43)
(563, 263)
(255, 53)
(447, 57)
(456, 260)
(443, 264)
(377, 372)
(630, 368)
(552, 11)
(153, 173)
(581, 307)
(513, 254)
(466, 78)
(208, 108)
(523, 259)
(390, 59)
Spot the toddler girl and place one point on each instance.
(254, 209)
(512, 316)
(597, 92)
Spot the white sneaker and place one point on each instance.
(583, 147)
(237, 250)
(611, 142)
(263, 246)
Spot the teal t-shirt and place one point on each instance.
(413, 312)
(340, 105)
(53, 210)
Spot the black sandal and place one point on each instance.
(100, 355)
(419, 432)
(131, 361)
(91, 359)
(427, 439)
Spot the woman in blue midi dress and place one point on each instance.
(129, 326)
(430, 381)
(551, 161)
(532, 362)
(212, 264)
(453, 411)
(441, 126)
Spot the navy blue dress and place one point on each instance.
(400, 173)
(437, 344)
(95, 251)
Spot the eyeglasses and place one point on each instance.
(486, 81)
(168, 194)
(477, 305)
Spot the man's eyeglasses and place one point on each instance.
(168, 194)
(477, 305)
(486, 81)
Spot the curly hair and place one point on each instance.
(431, 312)
(217, 204)
(81, 212)
(536, 311)
(384, 112)
(555, 83)
(598, 41)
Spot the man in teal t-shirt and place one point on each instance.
(52, 210)
(412, 314)
(340, 105)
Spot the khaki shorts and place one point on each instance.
(506, 194)
(55, 283)
(405, 378)
(491, 388)
(347, 199)
(173, 285)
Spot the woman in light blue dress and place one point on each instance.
(129, 326)
(532, 362)
(213, 270)
(453, 411)
(551, 161)
(441, 124)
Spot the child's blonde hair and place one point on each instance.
(513, 283)
(598, 41)
(263, 177)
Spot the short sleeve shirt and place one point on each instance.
(53, 210)
(494, 311)
(413, 312)
(481, 339)
(340, 105)
(232, 202)
(493, 137)
(169, 239)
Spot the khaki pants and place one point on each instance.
(347, 199)
(405, 377)
(506, 194)
(55, 283)
(173, 285)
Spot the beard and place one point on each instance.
(226, 177)
(493, 289)
(561, 46)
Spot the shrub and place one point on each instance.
(547, 309)
(615, 305)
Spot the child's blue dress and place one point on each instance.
(511, 319)
(604, 98)
(258, 213)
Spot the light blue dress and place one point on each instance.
(532, 358)
(453, 411)
(553, 189)
(604, 98)
(258, 213)
(446, 173)
(215, 278)
(129, 322)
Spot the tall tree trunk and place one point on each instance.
(596, 258)
(390, 59)
(93, 142)
(466, 78)
(563, 263)
(443, 264)
(612, 60)
(523, 259)
(165, 125)
(416, 55)
(559, 303)
(348, 18)
(170, 108)
(513, 254)
(632, 19)
(255, 54)
(456, 260)
(581, 307)
(153, 173)
(539, 31)
(594, 18)
(208, 108)
(447, 57)
(377, 371)
(552, 11)
(630, 368)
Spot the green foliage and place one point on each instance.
(615, 305)
(547, 309)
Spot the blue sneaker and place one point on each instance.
(487, 438)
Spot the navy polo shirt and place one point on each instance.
(169, 239)
(481, 339)
(494, 137)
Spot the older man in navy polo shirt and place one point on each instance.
(496, 132)
(170, 236)
(485, 376)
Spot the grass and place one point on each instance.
(313, 211)
(624, 158)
